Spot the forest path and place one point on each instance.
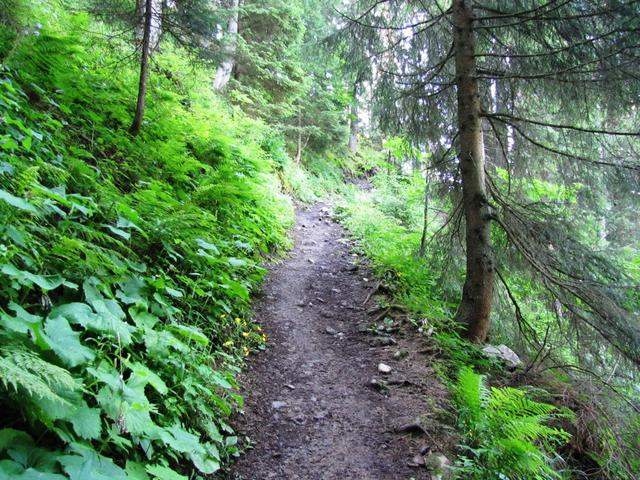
(311, 410)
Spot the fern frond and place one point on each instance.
(472, 396)
(24, 371)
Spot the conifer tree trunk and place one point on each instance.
(425, 218)
(354, 124)
(299, 147)
(144, 68)
(477, 295)
(223, 73)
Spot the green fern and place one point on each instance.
(23, 371)
(506, 434)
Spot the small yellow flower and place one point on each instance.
(228, 344)
(245, 334)
(264, 337)
(222, 315)
(259, 328)
(246, 351)
(238, 321)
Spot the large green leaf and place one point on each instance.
(87, 464)
(110, 319)
(33, 474)
(136, 471)
(159, 472)
(65, 342)
(191, 333)
(10, 437)
(87, 424)
(23, 322)
(76, 312)
(17, 202)
(45, 282)
(10, 470)
(142, 376)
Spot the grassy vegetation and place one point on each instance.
(127, 263)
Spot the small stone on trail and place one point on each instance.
(384, 368)
(385, 341)
(400, 354)
(290, 387)
(311, 260)
(278, 404)
(320, 415)
(336, 290)
(365, 279)
(330, 330)
(437, 463)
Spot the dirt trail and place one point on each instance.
(311, 411)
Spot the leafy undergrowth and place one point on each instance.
(505, 433)
(127, 264)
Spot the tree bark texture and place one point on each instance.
(354, 125)
(144, 68)
(477, 294)
(223, 73)
(425, 218)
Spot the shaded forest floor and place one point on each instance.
(317, 404)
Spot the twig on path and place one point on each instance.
(381, 315)
(373, 291)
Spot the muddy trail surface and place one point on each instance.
(318, 405)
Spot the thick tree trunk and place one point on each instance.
(223, 73)
(144, 68)
(477, 295)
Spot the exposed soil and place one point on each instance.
(312, 410)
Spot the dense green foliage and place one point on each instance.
(127, 264)
(506, 432)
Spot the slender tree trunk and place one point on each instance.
(477, 295)
(425, 219)
(223, 73)
(354, 125)
(298, 156)
(144, 68)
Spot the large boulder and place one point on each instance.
(504, 353)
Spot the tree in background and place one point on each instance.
(190, 23)
(223, 73)
(283, 72)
